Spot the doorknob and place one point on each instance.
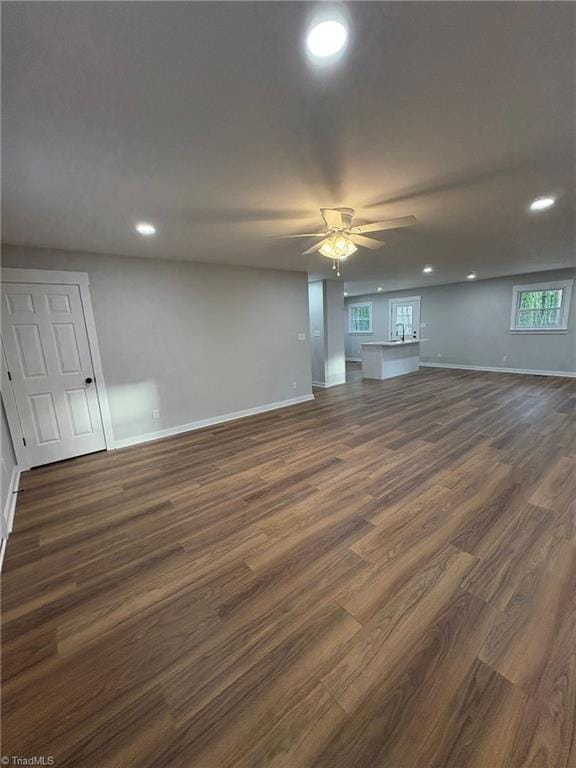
(88, 380)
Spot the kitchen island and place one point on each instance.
(386, 359)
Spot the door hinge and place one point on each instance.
(24, 440)
(9, 376)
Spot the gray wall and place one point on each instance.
(326, 300)
(8, 464)
(335, 345)
(192, 340)
(317, 330)
(469, 324)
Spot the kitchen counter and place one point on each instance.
(390, 343)
(386, 359)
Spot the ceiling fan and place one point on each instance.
(341, 238)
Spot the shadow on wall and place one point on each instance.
(132, 408)
(336, 366)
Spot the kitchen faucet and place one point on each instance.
(402, 324)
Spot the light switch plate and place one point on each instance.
(301, 337)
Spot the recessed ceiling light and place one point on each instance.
(427, 270)
(379, 289)
(542, 203)
(145, 228)
(471, 276)
(327, 38)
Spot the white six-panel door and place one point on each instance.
(48, 355)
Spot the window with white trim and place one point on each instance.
(360, 317)
(541, 307)
(405, 317)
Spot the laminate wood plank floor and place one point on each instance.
(384, 577)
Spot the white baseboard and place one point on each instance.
(323, 385)
(10, 508)
(210, 422)
(353, 359)
(490, 369)
(12, 498)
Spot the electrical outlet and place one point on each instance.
(301, 337)
(294, 385)
(155, 413)
(439, 354)
(504, 358)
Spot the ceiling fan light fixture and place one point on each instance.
(338, 247)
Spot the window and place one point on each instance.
(405, 311)
(541, 307)
(404, 316)
(360, 317)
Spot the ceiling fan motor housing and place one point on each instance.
(338, 219)
(346, 215)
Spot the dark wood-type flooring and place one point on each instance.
(385, 577)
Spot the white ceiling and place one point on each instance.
(208, 120)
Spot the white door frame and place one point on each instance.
(12, 416)
(407, 299)
(57, 277)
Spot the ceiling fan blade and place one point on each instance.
(379, 226)
(308, 234)
(315, 247)
(332, 217)
(366, 242)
